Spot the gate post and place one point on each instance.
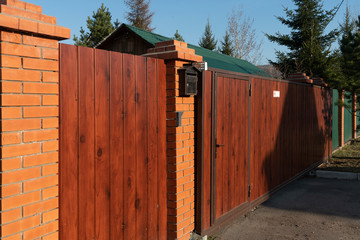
(180, 140)
(341, 118)
(354, 114)
(29, 120)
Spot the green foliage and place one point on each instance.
(139, 14)
(227, 47)
(356, 64)
(99, 26)
(208, 39)
(345, 73)
(308, 45)
(177, 36)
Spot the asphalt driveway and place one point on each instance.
(309, 208)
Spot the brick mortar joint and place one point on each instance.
(27, 18)
(28, 10)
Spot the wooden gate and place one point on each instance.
(112, 145)
(230, 163)
(255, 136)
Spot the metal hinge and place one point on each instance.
(250, 90)
(249, 191)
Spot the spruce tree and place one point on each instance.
(344, 71)
(177, 36)
(308, 44)
(357, 52)
(139, 14)
(226, 45)
(208, 39)
(347, 54)
(99, 26)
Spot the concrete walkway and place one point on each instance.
(309, 208)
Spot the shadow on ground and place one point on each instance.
(309, 208)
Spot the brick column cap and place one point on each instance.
(299, 77)
(319, 81)
(173, 50)
(22, 17)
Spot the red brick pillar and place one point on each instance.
(353, 117)
(29, 121)
(341, 118)
(180, 140)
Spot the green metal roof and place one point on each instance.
(214, 59)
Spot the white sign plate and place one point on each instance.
(276, 94)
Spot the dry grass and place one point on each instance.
(345, 160)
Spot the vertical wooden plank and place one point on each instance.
(152, 145)
(219, 150)
(238, 141)
(102, 185)
(68, 142)
(264, 141)
(253, 139)
(244, 150)
(292, 94)
(116, 147)
(283, 127)
(141, 146)
(254, 146)
(129, 147)
(273, 135)
(226, 147)
(86, 145)
(234, 130)
(207, 150)
(263, 169)
(162, 171)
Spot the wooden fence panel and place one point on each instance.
(112, 145)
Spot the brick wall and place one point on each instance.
(180, 140)
(29, 121)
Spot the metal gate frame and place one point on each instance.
(216, 224)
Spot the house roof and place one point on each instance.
(214, 59)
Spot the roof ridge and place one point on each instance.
(221, 54)
(130, 26)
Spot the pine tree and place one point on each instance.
(177, 36)
(99, 26)
(309, 46)
(208, 39)
(139, 14)
(226, 45)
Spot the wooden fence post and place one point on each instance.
(29, 121)
(341, 118)
(353, 116)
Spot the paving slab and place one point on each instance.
(309, 209)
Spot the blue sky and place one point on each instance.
(190, 16)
